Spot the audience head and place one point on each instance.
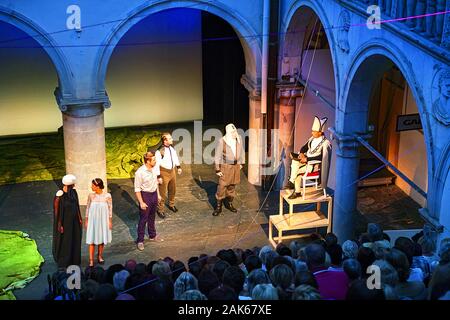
(399, 261)
(352, 268)
(105, 291)
(350, 249)
(207, 281)
(366, 257)
(330, 239)
(335, 252)
(315, 255)
(228, 256)
(282, 276)
(219, 268)
(234, 277)
(374, 232)
(405, 245)
(264, 292)
(161, 269)
(305, 278)
(130, 265)
(178, 268)
(223, 293)
(440, 282)
(360, 291)
(186, 281)
(306, 292)
(252, 262)
(193, 295)
(283, 250)
(120, 279)
(257, 276)
(295, 247)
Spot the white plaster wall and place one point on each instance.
(322, 79)
(412, 159)
(161, 81)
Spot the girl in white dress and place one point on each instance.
(98, 220)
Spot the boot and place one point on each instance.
(229, 205)
(218, 208)
(289, 186)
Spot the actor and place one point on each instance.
(147, 193)
(228, 160)
(98, 220)
(318, 147)
(167, 161)
(67, 225)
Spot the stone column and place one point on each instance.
(255, 137)
(84, 145)
(287, 95)
(255, 150)
(345, 194)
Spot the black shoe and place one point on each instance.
(218, 209)
(289, 186)
(174, 209)
(161, 214)
(229, 206)
(295, 195)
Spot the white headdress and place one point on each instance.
(69, 180)
(319, 124)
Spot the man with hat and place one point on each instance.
(228, 160)
(318, 147)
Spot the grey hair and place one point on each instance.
(257, 276)
(119, 280)
(389, 275)
(193, 295)
(185, 281)
(264, 292)
(306, 292)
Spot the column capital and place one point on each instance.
(288, 92)
(348, 145)
(82, 108)
(254, 90)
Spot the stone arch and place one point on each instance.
(368, 64)
(321, 13)
(247, 35)
(438, 204)
(48, 44)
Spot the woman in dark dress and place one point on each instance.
(67, 225)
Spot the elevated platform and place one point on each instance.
(303, 219)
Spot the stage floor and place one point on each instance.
(189, 232)
(193, 230)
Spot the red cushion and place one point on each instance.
(313, 174)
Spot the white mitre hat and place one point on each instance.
(230, 128)
(318, 124)
(69, 179)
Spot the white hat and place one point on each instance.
(230, 128)
(318, 124)
(69, 179)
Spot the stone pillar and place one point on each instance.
(84, 145)
(345, 194)
(255, 136)
(255, 145)
(287, 95)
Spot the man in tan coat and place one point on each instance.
(228, 160)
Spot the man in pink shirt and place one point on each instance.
(333, 284)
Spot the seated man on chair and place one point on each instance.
(318, 148)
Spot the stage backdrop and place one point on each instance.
(160, 80)
(154, 76)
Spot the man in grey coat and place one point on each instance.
(228, 160)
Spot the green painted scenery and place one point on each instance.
(40, 158)
(20, 262)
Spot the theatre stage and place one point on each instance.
(189, 232)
